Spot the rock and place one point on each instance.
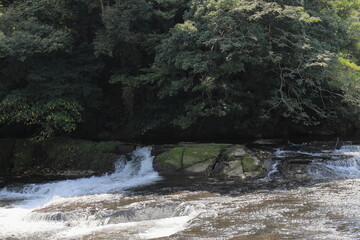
(237, 151)
(250, 163)
(268, 164)
(294, 171)
(216, 160)
(234, 169)
(59, 157)
(267, 142)
(198, 153)
(244, 167)
(203, 167)
(190, 157)
(72, 154)
(255, 174)
(76, 173)
(170, 160)
(300, 161)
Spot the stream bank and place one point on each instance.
(67, 158)
(321, 201)
(23, 160)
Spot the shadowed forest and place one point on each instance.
(179, 69)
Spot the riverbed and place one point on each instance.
(320, 201)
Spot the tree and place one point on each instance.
(247, 60)
(48, 76)
(124, 65)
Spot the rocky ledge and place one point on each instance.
(72, 158)
(214, 160)
(59, 157)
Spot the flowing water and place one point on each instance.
(307, 194)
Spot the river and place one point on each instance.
(320, 200)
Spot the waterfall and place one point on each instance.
(71, 208)
(113, 207)
(345, 164)
(137, 171)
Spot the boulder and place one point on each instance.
(216, 160)
(237, 151)
(233, 169)
(189, 157)
(250, 163)
(203, 167)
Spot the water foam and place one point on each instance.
(340, 167)
(20, 219)
(136, 172)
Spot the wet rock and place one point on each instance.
(51, 216)
(203, 167)
(144, 214)
(189, 157)
(215, 160)
(156, 150)
(250, 163)
(218, 167)
(76, 173)
(268, 142)
(321, 146)
(170, 160)
(237, 151)
(300, 161)
(59, 157)
(233, 169)
(293, 171)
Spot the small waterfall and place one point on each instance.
(345, 165)
(137, 171)
(349, 148)
(77, 207)
(170, 210)
(47, 217)
(107, 217)
(274, 170)
(320, 164)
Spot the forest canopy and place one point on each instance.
(132, 68)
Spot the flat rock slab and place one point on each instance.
(233, 169)
(238, 151)
(201, 167)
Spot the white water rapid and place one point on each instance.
(72, 209)
(346, 166)
(136, 172)
(309, 193)
(343, 163)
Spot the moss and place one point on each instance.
(172, 158)
(201, 152)
(25, 157)
(187, 155)
(249, 164)
(110, 146)
(232, 158)
(66, 154)
(22, 157)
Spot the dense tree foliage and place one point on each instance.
(124, 67)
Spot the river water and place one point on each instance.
(320, 200)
